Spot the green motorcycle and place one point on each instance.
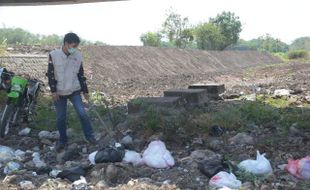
(21, 99)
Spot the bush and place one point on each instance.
(298, 54)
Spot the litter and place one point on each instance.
(113, 154)
(299, 168)
(80, 184)
(11, 167)
(37, 161)
(54, 173)
(24, 132)
(19, 155)
(133, 158)
(27, 185)
(6, 154)
(260, 166)
(157, 156)
(224, 179)
(72, 174)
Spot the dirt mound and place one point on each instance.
(126, 72)
(117, 63)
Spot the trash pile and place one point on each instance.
(156, 155)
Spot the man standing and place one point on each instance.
(67, 81)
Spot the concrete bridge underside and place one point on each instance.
(46, 2)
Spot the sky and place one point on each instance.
(122, 22)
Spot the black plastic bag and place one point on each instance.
(110, 154)
(72, 174)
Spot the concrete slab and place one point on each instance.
(211, 88)
(214, 90)
(189, 96)
(140, 104)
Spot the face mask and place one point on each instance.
(72, 50)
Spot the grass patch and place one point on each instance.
(281, 102)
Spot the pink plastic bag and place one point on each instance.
(299, 168)
(224, 179)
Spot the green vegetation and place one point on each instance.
(19, 36)
(302, 43)
(298, 54)
(217, 34)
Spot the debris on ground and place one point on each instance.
(72, 174)
(24, 132)
(299, 168)
(224, 179)
(11, 167)
(157, 156)
(260, 166)
(112, 154)
(132, 157)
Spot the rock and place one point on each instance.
(24, 132)
(19, 155)
(247, 185)
(281, 92)
(210, 166)
(27, 185)
(242, 139)
(84, 150)
(49, 135)
(127, 140)
(47, 142)
(216, 144)
(37, 161)
(199, 155)
(197, 141)
(70, 154)
(111, 172)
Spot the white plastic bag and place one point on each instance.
(224, 179)
(157, 156)
(6, 154)
(91, 157)
(299, 168)
(260, 166)
(132, 157)
(24, 132)
(37, 161)
(26, 185)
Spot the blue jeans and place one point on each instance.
(61, 110)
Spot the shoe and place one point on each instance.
(60, 146)
(91, 140)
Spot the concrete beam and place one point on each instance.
(47, 2)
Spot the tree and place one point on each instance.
(151, 39)
(270, 44)
(209, 37)
(230, 26)
(302, 43)
(176, 29)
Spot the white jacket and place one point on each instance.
(66, 69)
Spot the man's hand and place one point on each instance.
(55, 96)
(86, 96)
